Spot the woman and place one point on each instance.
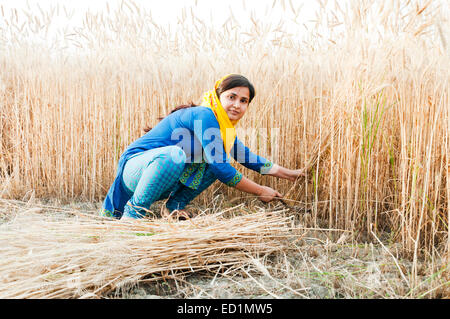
(187, 151)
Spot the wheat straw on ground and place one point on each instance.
(51, 256)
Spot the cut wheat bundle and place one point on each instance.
(49, 256)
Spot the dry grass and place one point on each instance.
(51, 251)
(362, 99)
(77, 255)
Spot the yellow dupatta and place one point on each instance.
(227, 130)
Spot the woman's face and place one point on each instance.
(235, 102)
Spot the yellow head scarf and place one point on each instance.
(227, 130)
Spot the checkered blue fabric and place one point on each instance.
(147, 175)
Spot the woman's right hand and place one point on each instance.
(268, 194)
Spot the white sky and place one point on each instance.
(69, 15)
(164, 12)
(169, 10)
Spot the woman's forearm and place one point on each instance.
(279, 171)
(264, 193)
(286, 173)
(249, 186)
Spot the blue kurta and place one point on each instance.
(196, 131)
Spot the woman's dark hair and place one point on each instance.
(231, 81)
(236, 80)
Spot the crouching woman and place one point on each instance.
(186, 152)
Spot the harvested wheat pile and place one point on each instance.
(55, 256)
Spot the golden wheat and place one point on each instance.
(364, 105)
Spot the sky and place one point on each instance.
(165, 11)
(68, 15)
(298, 16)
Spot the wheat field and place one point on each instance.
(361, 100)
